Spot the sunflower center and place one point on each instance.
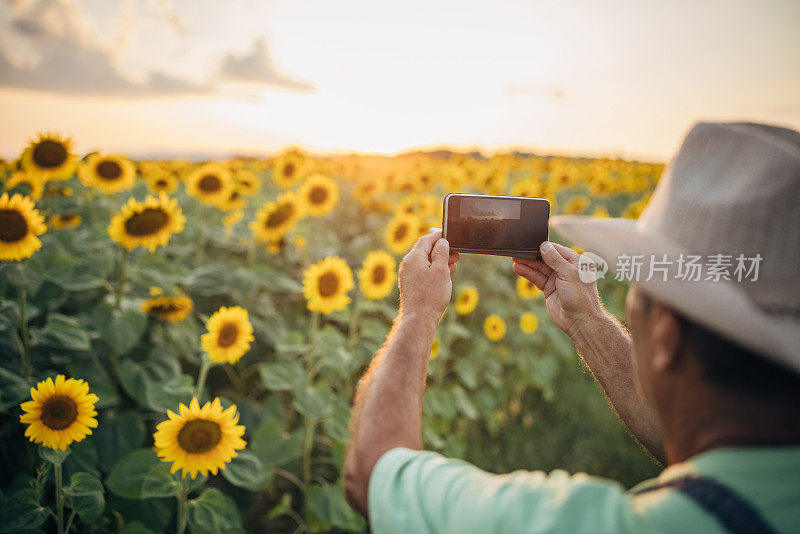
(199, 436)
(328, 284)
(109, 170)
(148, 222)
(318, 195)
(161, 183)
(166, 308)
(13, 226)
(49, 154)
(401, 232)
(227, 335)
(288, 169)
(378, 274)
(282, 214)
(209, 183)
(58, 412)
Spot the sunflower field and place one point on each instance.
(180, 341)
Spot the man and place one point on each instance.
(708, 379)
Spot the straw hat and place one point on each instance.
(732, 197)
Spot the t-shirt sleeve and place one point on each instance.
(424, 492)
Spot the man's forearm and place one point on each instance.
(387, 410)
(606, 348)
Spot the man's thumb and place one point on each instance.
(441, 251)
(554, 259)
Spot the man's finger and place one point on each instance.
(567, 252)
(454, 257)
(424, 244)
(553, 258)
(539, 265)
(538, 279)
(441, 252)
(452, 267)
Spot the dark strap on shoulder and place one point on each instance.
(735, 513)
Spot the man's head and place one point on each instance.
(693, 376)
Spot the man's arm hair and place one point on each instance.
(387, 410)
(606, 348)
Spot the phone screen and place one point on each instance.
(492, 223)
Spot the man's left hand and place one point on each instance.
(425, 285)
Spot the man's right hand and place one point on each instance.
(571, 302)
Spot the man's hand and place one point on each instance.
(570, 301)
(601, 341)
(425, 285)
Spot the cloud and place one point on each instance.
(65, 57)
(257, 66)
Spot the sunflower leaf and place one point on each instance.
(85, 496)
(61, 332)
(283, 375)
(121, 329)
(213, 512)
(273, 446)
(22, 511)
(329, 504)
(140, 475)
(246, 471)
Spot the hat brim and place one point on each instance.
(718, 305)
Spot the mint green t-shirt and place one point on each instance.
(422, 491)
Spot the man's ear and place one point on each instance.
(666, 338)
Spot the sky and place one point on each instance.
(622, 78)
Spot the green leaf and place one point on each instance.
(99, 380)
(85, 496)
(54, 456)
(82, 458)
(329, 504)
(312, 403)
(22, 511)
(213, 513)
(283, 375)
(23, 275)
(374, 330)
(13, 389)
(273, 446)
(61, 332)
(140, 475)
(135, 528)
(117, 434)
(246, 471)
(463, 403)
(121, 329)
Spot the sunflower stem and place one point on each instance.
(123, 260)
(205, 365)
(59, 497)
(23, 334)
(310, 423)
(352, 327)
(180, 523)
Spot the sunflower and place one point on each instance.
(20, 223)
(466, 301)
(231, 220)
(65, 221)
(274, 219)
(401, 232)
(50, 157)
(211, 183)
(199, 440)
(161, 181)
(319, 194)
(229, 335)
(529, 323)
(147, 224)
(246, 182)
(576, 204)
(601, 212)
(326, 283)
(29, 184)
(377, 275)
(172, 309)
(494, 327)
(289, 169)
(527, 289)
(235, 201)
(61, 412)
(434, 348)
(110, 173)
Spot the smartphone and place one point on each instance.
(496, 225)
